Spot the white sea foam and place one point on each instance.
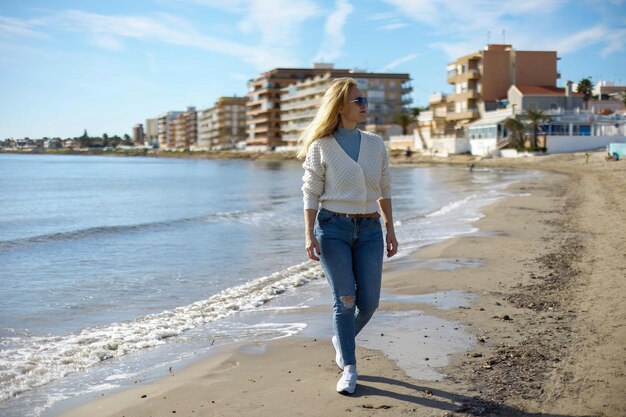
(37, 360)
(450, 206)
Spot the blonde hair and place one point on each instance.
(327, 118)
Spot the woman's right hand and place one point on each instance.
(313, 248)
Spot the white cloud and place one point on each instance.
(467, 15)
(468, 25)
(109, 32)
(334, 38)
(278, 21)
(10, 26)
(397, 62)
(580, 39)
(616, 40)
(426, 11)
(393, 26)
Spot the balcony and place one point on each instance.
(257, 120)
(466, 95)
(259, 129)
(295, 127)
(305, 92)
(260, 110)
(472, 74)
(290, 137)
(284, 117)
(304, 104)
(468, 114)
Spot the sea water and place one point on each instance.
(110, 266)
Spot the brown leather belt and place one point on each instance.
(356, 216)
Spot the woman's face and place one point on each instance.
(354, 113)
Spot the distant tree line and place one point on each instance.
(84, 141)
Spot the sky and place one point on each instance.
(104, 66)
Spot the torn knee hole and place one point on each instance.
(347, 301)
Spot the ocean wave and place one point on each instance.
(252, 217)
(451, 206)
(35, 361)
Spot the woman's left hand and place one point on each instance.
(392, 243)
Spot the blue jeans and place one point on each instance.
(352, 259)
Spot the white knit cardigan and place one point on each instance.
(336, 182)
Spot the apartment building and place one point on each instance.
(300, 90)
(151, 131)
(388, 95)
(164, 128)
(222, 126)
(480, 80)
(263, 106)
(433, 123)
(185, 130)
(138, 134)
(298, 104)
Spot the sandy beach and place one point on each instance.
(549, 322)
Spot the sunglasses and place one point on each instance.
(360, 101)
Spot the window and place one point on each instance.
(582, 130)
(559, 130)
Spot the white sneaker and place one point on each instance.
(347, 382)
(338, 357)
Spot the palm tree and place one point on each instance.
(515, 126)
(585, 87)
(535, 118)
(404, 120)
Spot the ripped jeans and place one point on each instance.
(352, 259)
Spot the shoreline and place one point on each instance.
(529, 324)
(397, 156)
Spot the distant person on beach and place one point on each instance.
(612, 157)
(346, 188)
(408, 153)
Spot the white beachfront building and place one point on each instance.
(567, 131)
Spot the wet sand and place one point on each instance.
(548, 323)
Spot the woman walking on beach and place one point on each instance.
(346, 182)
